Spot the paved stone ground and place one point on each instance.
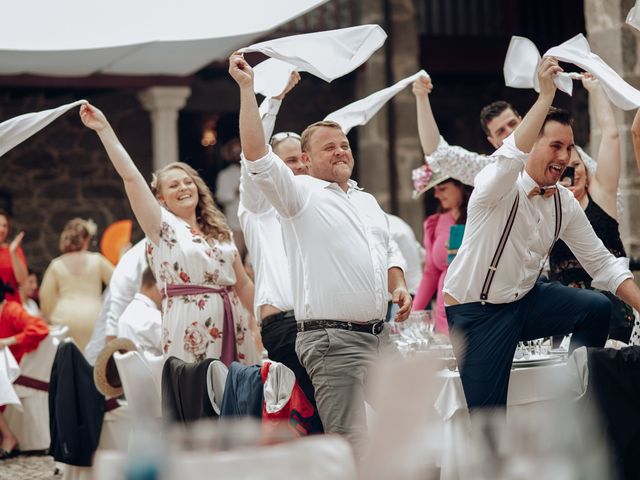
(28, 467)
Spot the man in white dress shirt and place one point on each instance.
(341, 260)
(141, 321)
(263, 236)
(495, 299)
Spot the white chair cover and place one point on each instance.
(155, 364)
(138, 384)
(31, 425)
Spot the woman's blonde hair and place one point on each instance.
(75, 233)
(210, 220)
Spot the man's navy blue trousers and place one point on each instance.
(485, 337)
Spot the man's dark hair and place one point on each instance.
(148, 279)
(491, 111)
(559, 115)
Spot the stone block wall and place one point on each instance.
(63, 172)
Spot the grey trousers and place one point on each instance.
(338, 363)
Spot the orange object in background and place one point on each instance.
(115, 239)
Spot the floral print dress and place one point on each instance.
(192, 325)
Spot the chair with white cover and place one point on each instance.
(139, 385)
(155, 364)
(31, 423)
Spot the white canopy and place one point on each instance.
(140, 37)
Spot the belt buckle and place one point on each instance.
(376, 328)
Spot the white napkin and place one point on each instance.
(16, 130)
(360, 112)
(521, 64)
(577, 51)
(329, 54)
(278, 387)
(271, 76)
(633, 17)
(9, 371)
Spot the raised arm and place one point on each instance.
(607, 174)
(427, 126)
(527, 132)
(18, 262)
(254, 145)
(145, 206)
(270, 106)
(251, 197)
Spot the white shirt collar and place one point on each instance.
(528, 183)
(146, 300)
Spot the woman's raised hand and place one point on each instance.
(422, 87)
(93, 118)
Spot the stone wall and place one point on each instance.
(63, 172)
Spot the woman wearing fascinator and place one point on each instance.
(21, 333)
(71, 290)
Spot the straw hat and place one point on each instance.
(424, 178)
(105, 373)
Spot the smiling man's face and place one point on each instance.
(329, 156)
(551, 153)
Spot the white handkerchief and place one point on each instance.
(633, 17)
(360, 112)
(577, 51)
(9, 371)
(16, 130)
(328, 55)
(521, 64)
(271, 76)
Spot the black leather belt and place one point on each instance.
(374, 327)
(276, 317)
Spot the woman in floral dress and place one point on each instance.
(192, 254)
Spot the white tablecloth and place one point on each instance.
(529, 389)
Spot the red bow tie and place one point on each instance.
(546, 192)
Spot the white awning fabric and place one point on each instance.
(77, 38)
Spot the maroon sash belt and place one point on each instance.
(36, 384)
(229, 350)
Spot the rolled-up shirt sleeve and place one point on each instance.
(278, 184)
(395, 257)
(498, 179)
(268, 112)
(606, 270)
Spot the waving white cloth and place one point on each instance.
(577, 51)
(9, 371)
(16, 130)
(360, 112)
(329, 54)
(521, 63)
(271, 76)
(633, 17)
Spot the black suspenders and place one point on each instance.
(493, 266)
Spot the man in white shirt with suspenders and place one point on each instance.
(515, 214)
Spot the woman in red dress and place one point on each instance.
(21, 333)
(13, 265)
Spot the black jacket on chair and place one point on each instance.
(184, 390)
(76, 408)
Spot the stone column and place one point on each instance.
(408, 153)
(618, 45)
(164, 103)
(373, 142)
(382, 172)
